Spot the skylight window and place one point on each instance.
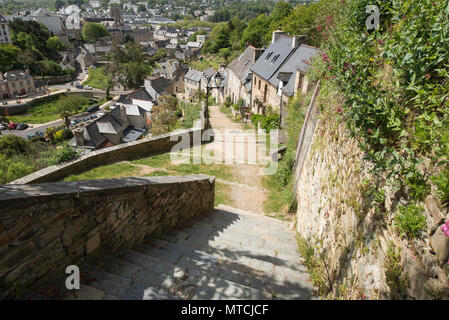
(275, 58)
(268, 56)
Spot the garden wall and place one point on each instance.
(358, 252)
(46, 227)
(19, 108)
(123, 152)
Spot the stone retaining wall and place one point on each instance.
(46, 227)
(352, 233)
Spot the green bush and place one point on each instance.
(61, 155)
(270, 122)
(256, 118)
(442, 183)
(12, 168)
(13, 145)
(410, 220)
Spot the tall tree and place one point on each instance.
(8, 57)
(164, 115)
(92, 32)
(69, 106)
(256, 31)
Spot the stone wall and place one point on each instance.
(122, 152)
(353, 235)
(46, 227)
(19, 108)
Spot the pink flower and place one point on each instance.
(445, 228)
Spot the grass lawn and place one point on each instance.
(222, 194)
(279, 197)
(117, 170)
(97, 78)
(46, 111)
(208, 61)
(157, 161)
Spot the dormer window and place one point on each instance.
(275, 58)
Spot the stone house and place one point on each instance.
(17, 82)
(206, 77)
(192, 82)
(283, 61)
(119, 125)
(218, 89)
(238, 85)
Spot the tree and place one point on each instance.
(164, 115)
(54, 44)
(256, 31)
(92, 32)
(69, 106)
(8, 57)
(59, 4)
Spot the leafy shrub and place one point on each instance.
(410, 220)
(270, 122)
(12, 145)
(442, 183)
(12, 168)
(256, 118)
(61, 155)
(393, 274)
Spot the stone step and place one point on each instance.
(224, 210)
(280, 236)
(211, 286)
(111, 284)
(245, 248)
(197, 262)
(268, 241)
(243, 220)
(296, 280)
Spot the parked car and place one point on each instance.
(39, 133)
(78, 85)
(31, 136)
(23, 96)
(22, 126)
(94, 116)
(87, 88)
(12, 125)
(93, 108)
(2, 127)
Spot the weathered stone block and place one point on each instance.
(440, 244)
(93, 243)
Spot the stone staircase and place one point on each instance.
(229, 254)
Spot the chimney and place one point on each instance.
(277, 34)
(257, 53)
(79, 136)
(123, 113)
(297, 40)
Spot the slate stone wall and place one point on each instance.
(46, 227)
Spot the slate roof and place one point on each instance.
(160, 84)
(273, 57)
(132, 134)
(140, 94)
(209, 72)
(134, 110)
(16, 75)
(242, 64)
(194, 75)
(299, 60)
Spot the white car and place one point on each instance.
(87, 88)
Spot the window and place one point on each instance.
(259, 85)
(268, 56)
(275, 58)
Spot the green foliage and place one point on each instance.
(442, 183)
(256, 31)
(410, 220)
(13, 145)
(270, 122)
(62, 154)
(8, 57)
(92, 32)
(54, 44)
(394, 276)
(97, 78)
(316, 265)
(191, 113)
